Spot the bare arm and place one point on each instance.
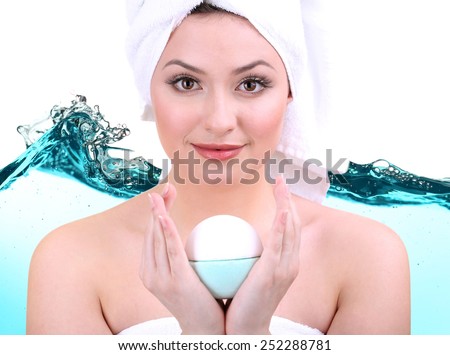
(375, 295)
(61, 291)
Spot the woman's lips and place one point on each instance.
(218, 151)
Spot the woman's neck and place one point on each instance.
(194, 202)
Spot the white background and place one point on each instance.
(390, 76)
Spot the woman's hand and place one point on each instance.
(166, 273)
(252, 308)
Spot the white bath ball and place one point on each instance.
(222, 250)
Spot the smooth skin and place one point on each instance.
(329, 269)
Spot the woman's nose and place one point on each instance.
(220, 117)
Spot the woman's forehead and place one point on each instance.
(204, 37)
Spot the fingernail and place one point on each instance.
(165, 190)
(282, 182)
(163, 222)
(279, 179)
(150, 199)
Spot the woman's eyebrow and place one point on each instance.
(236, 71)
(250, 66)
(184, 65)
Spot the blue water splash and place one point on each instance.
(383, 183)
(75, 142)
(77, 145)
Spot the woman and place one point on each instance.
(222, 96)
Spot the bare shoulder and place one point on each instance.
(61, 283)
(354, 236)
(75, 242)
(66, 266)
(369, 263)
(87, 239)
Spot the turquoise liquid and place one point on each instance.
(73, 145)
(78, 145)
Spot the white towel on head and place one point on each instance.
(282, 24)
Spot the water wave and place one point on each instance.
(383, 183)
(76, 142)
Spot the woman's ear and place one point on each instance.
(289, 96)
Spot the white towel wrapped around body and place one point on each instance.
(170, 326)
(282, 24)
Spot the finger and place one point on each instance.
(292, 230)
(279, 223)
(281, 194)
(148, 264)
(278, 232)
(289, 237)
(169, 194)
(290, 252)
(159, 242)
(176, 254)
(297, 227)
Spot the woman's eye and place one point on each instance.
(251, 86)
(186, 84)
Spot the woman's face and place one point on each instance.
(219, 92)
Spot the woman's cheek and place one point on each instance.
(267, 121)
(174, 122)
(170, 135)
